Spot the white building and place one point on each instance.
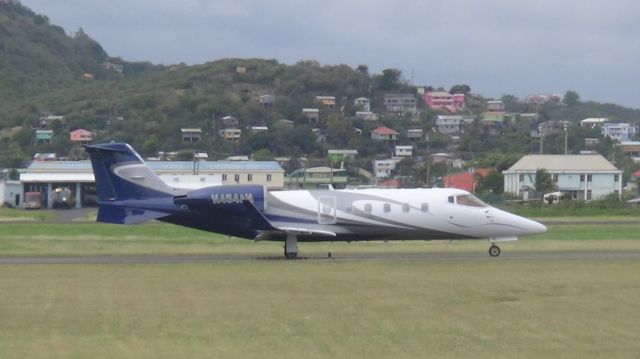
(404, 151)
(77, 177)
(383, 168)
(593, 122)
(364, 103)
(449, 124)
(619, 131)
(583, 177)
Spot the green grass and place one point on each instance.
(479, 309)
(13, 214)
(156, 238)
(476, 308)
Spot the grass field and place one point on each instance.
(315, 309)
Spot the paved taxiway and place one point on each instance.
(340, 257)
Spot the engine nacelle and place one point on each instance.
(229, 198)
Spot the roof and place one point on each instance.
(85, 166)
(385, 131)
(191, 130)
(566, 163)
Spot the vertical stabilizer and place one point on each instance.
(121, 174)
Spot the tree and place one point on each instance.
(571, 98)
(461, 88)
(389, 79)
(543, 181)
(492, 183)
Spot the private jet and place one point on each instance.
(129, 193)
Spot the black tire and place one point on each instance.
(494, 251)
(290, 255)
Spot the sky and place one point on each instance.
(495, 46)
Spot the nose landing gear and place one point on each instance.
(494, 250)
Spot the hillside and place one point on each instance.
(42, 70)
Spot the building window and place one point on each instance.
(521, 178)
(424, 207)
(405, 207)
(236, 178)
(249, 177)
(268, 177)
(224, 177)
(554, 177)
(616, 178)
(589, 178)
(581, 178)
(367, 207)
(386, 208)
(588, 195)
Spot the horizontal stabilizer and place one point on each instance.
(126, 215)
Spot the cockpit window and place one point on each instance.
(470, 200)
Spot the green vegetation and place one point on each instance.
(477, 308)
(480, 309)
(11, 214)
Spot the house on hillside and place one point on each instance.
(191, 134)
(267, 100)
(582, 177)
(367, 115)
(593, 122)
(81, 136)
(327, 101)
(230, 134)
(383, 133)
(617, 131)
(400, 103)
(311, 114)
(44, 136)
(363, 103)
(449, 124)
(495, 106)
(404, 151)
(441, 100)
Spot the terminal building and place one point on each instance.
(70, 184)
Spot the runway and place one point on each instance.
(335, 257)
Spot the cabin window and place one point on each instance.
(386, 208)
(451, 199)
(424, 207)
(367, 207)
(176, 179)
(202, 179)
(405, 207)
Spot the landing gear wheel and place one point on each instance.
(290, 255)
(494, 251)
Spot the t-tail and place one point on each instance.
(128, 191)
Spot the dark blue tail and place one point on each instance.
(128, 191)
(121, 174)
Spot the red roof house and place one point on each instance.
(384, 134)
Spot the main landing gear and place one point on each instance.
(494, 250)
(291, 246)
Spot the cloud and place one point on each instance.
(497, 46)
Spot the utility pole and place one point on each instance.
(565, 126)
(541, 131)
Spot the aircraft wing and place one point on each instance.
(306, 231)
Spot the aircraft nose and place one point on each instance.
(534, 227)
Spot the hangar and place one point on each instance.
(71, 183)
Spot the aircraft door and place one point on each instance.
(327, 210)
(468, 214)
